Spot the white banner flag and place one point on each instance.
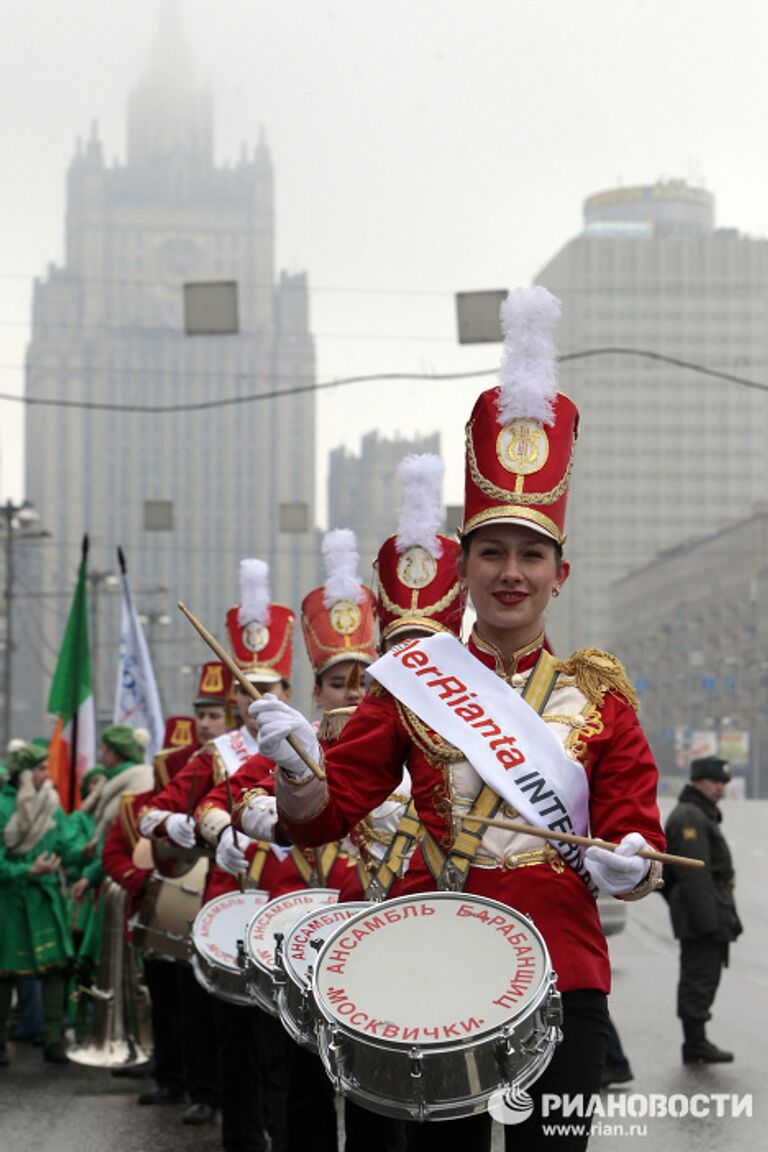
(137, 701)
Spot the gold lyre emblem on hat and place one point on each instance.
(345, 617)
(416, 567)
(522, 446)
(255, 637)
(182, 733)
(213, 680)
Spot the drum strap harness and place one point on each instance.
(450, 872)
(377, 882)
(315, 875)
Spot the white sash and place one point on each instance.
(234, 748)
(506, 741)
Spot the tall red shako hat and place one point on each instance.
(338, 618)
(417, 574)
(261, 633)
(521, 434)
(215, 684)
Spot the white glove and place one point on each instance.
(258, 819)
(276, 720)
(181, 830)
(618, 872)
(229, 853)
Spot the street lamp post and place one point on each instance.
(153, 620)
(96, 581)
(17, 518)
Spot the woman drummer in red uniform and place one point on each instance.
(572, 757)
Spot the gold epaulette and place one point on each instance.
(158, 763)
(128, 822)
(597, 672)
(333, 723)
(375, 689)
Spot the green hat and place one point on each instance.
(121, 738)
(89, 777)
(27, 756)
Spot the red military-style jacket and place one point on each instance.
(591, 712)
(273, 868)
(117, 853)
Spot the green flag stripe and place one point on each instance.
(72, 679)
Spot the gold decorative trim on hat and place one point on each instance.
(415, 607)
(522, 446)
(416, 567)
(498, 493)
(361, 652)
(514, 512)
(268, 665)
(405, 622)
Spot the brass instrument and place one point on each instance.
(119, 1029)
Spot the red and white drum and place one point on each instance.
(269, 925)
(218, 944)
(428, 1004)
(295, 959)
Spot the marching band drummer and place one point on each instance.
(252, 1079)
(418, 592)
(432, 705)
(338, 625)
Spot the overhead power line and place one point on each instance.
(376, 377)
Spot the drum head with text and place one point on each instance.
(278, 917)
(431, 969)
(222, 922)
(300, 949)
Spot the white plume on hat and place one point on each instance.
(529, 360)
(14, 745)
(254, 592)
(421, 508)
(341, 558)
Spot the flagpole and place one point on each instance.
(73, 745)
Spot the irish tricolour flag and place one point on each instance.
(73, 747)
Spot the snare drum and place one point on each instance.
(276, 919)
(295, 959)
(428, 1004)
(162, 926)
(218, 949)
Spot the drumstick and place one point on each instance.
(572, 838)
(246, 685)
(230, 806)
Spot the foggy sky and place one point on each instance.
(421, 147)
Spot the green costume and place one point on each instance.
(34, 934)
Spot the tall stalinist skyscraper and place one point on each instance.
(665, 453)
(189, 491)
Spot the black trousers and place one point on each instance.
(161, 977)
(198, 1026)
(701, 963)
(312, 1125)
(576, 1068)
(252, 1053)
